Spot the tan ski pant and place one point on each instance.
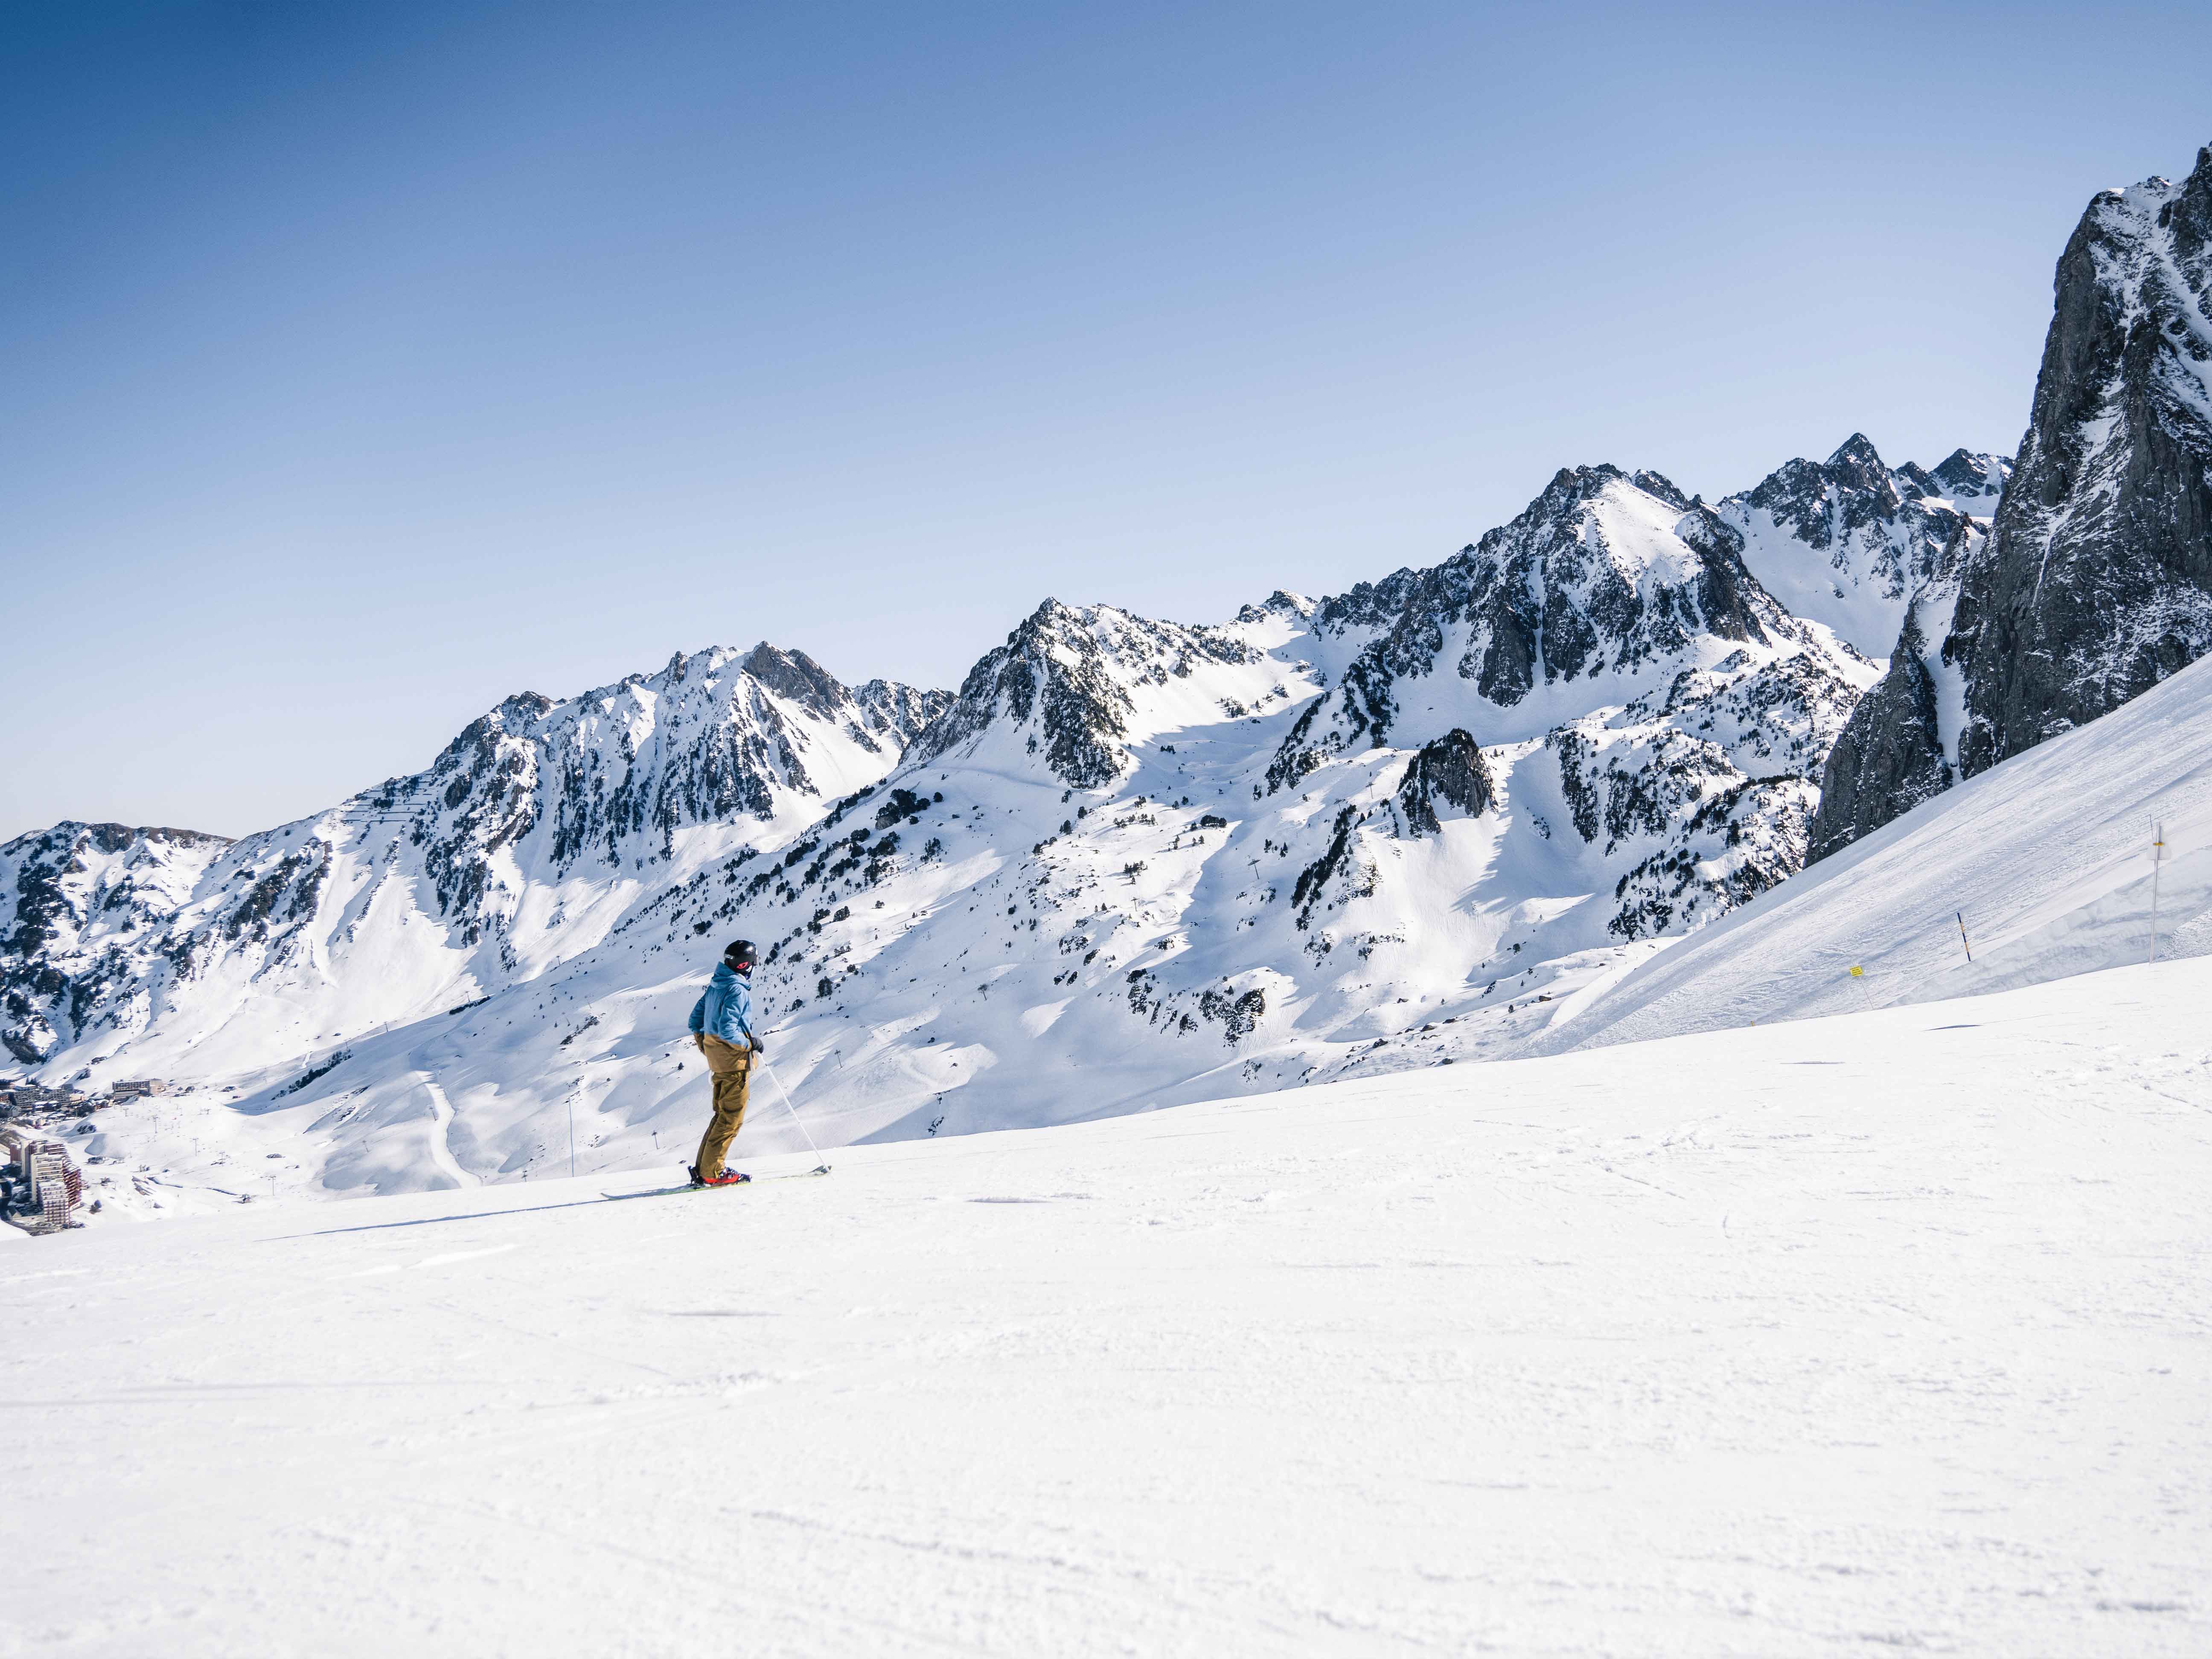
(732, 1068)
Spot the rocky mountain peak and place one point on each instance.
(1849, 542)
(1280, 604)
(1822, 502)
(1973, 483)
(78, 893)
(795, 675)
(2095, 582)
(1662, 488)
(1857, 465)
(1069, 688)
(896, 711)
(712, 753)
(1605, 577)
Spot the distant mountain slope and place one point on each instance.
(529, 837)
(77, 901)
(1063, 693)
(2095, 583)
(1131, 861)
(1849, 543)
(1154, 861)
(2046, 856)
(1671, 702)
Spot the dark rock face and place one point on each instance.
(1449, 770)
(792, 674)
(1890, 757)
(2095, 583)
(1055, 688)
(2098, 582)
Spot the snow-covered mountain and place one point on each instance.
(1171, 861)
(1135, 861)
(1880, 535)
(535, 832)
(1130, 861)
(2095, 581)
(1644, 689)
(76, 899)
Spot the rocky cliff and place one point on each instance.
(2095, 581)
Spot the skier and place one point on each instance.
(722, 1026)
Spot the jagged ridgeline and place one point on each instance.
(1132, 860)
(531, 834)
(1180, 855)
(1455, 793)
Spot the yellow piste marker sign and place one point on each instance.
(1857, 972)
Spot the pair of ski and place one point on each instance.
(693, 1187)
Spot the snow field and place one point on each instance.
(1875, 1332)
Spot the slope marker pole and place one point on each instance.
(1962, 915)
(2157, 858)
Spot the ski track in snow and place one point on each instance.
(441, 1120)
(1880, 1331)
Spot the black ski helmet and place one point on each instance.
(738, 953)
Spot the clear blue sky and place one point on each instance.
(361, 364)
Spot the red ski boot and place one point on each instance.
(727, 1178)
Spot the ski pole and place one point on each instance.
(793, 1110)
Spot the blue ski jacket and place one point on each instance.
(726, 1011)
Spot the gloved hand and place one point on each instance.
(759, 1048)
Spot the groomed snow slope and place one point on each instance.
(1878, 1333)
(2046, 857)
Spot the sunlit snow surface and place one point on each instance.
(1878, 1333)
